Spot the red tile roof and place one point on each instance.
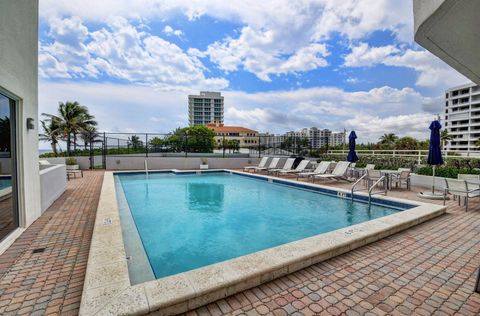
(219, 128)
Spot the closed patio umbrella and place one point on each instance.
(434, 155)
(352, 155)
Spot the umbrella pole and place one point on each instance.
(433, 184)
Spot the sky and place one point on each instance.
(282, 65)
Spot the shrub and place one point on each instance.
(70, 161)
(381, 162)
(445, 172)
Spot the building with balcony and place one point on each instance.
(319, 137)
(205, 108)
(462, 117)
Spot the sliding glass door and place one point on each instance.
(8, 168)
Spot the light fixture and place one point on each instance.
(30, 123)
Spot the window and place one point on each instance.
(8, 188)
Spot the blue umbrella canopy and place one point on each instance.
(352, 155)
(434, 151)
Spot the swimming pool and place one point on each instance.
(112, 287)
(188, 221)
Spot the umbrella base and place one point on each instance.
(431, 196)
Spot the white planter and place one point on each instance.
(203, 167)
(73, 167)
(426, 181)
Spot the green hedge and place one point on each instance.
(446, 172)
(380, 162)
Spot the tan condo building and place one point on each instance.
(246, 137)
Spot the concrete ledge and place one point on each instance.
(53, 182)
(107, 289)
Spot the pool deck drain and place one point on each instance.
(108, 290)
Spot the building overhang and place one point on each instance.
(450, 30)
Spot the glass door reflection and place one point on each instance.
(8, 201)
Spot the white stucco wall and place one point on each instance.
(449, 30)
(156, 163)
(19, 80)
(53, 182)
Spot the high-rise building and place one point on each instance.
(462, 117)
(205, 108)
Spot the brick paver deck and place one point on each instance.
(51, 282)
(428, 269)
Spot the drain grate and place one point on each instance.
(38, 250)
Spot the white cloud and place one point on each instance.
(120, 51)
(143, 109)
(169, 31)
(365, 56)
(414, 125)
(432, 72)
(277, 37)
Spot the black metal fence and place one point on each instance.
(175, 145)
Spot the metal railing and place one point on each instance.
(418, 154)
(356, 183)
(370, 190)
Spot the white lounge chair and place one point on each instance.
(460, 188)
(339, 173)
(287, 166)
(262, 164)
(300, 168)
(273, 164)
(321, 169)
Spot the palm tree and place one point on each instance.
(445, 137)
(388, 139)
(477, 143)
(72, 119)
(50, 134)
(88, 135)
(135, 142)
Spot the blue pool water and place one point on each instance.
(5, 182)
(189, 221)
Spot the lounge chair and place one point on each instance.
(339, 173)
(321, 169)
(262, 164)
(287, 166)
(300, 168)
(273, 164)
(460, 188)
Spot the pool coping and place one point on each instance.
(107, 289)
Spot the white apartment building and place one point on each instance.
(337, 138)
(319, 137)
(205, 108)
(462, 117)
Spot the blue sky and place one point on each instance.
(282, 65)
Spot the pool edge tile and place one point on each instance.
(195, 288)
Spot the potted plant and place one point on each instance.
(71, 163)
(204, 164)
